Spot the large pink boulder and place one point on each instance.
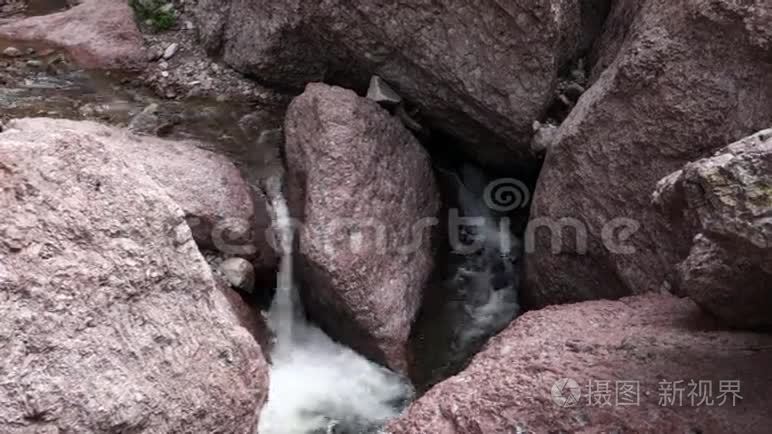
(98, 34)
(223, 211)
(651, 363)
(689, 77)
(110, 319)
(480, 71)
(364, 190)
(725, 203)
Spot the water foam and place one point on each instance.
(316, 384)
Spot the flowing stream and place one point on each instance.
(44, 82)
(487, 279)
(316, 384)
(478, 293)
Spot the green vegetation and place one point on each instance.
(156, 14)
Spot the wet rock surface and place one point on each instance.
(60, 88)
(12, 7)
(361, 185)
(514, 384)
(656, 107)
(24, 8)
(110, 317)
(725, 201)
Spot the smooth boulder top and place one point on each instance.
(224, 213)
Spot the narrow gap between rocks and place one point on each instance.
(474, 292)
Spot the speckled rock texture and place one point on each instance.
(689, 77)
(98, 34)
(725, 202)
(110, 320)
(357, 176)
(647, 342)
(223, 211)
(480, 71)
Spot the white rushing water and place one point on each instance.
(316, 384)
(484, 283)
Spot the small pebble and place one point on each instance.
(171, 50)
(239, 273)
(12, 52)
(382, 93)
(165, 9)
(154, 54)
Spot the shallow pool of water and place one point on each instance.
(45, 7)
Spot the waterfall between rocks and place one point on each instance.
(476, 295)
(487, 280)
(318, 386)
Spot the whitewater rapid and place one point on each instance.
(316, 384)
